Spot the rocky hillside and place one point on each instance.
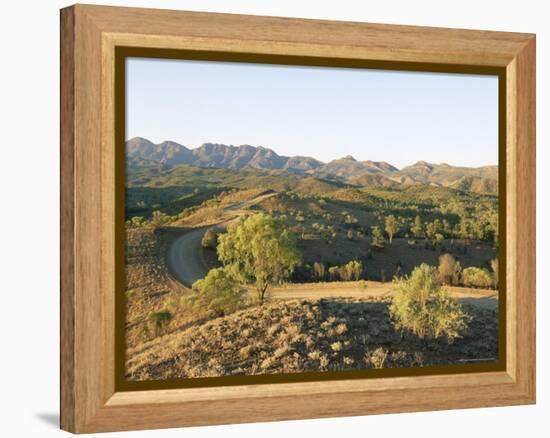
(304, 336)
(349, 167)
(141, 151)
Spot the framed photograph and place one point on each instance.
(273, 218)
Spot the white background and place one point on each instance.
(29, 218)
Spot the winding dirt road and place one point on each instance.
(184, 258)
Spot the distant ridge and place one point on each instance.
(142, 152)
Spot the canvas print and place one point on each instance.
(294, 219)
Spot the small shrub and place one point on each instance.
(421, 306)
(348, 361)
(334, 273)
(210, 239)
(351, 270)
(319, 270)
(217, 293)
(160, 319)
(477, 277)
(341, 329)
(324, 361)
(159, 219)
(376, 358)
(314, 355)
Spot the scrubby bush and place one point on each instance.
(217, 293)
(477, 277)
(420, 305)
(160, 319)
(351, 271)
(333, 272)
(136, 221)
(319, 270)
(158, 219)
(210, 239)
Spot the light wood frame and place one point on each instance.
(89, 35)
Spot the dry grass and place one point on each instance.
(301, 336)
(149, 288)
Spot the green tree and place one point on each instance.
(417, 227)
(433, 229)
(421, 306)
(260, 251)
(217, 293)
(377, 239)
(392, 227)
(210, 239)
(465, 230)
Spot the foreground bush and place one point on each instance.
(477, 277)
(420, 305)
(216, 294)
(160, 319)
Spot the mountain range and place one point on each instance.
(142, 152)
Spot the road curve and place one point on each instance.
(184, 256)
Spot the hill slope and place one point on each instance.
(302, 336)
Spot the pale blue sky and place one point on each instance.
(325, 113)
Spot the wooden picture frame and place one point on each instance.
(91, 400)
